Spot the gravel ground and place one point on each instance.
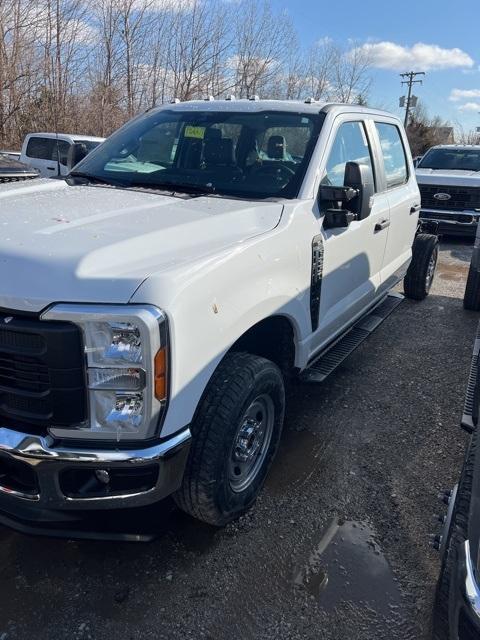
(337, 545)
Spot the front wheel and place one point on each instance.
(419, 278)
(235, 435)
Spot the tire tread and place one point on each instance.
(414, 282)
(236, 372)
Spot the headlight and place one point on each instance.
(126, 369)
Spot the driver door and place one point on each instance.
(353, 256)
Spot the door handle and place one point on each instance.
(52, 168)
(415, 208)
(381, 225)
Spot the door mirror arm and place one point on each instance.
(336, 199)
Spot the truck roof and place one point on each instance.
(467, 147)
(251, 105)
(73, 136)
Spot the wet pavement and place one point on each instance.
(337, 545)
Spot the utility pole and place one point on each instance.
(410, 81)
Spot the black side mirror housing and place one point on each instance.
(77, 152)
(360, 177)
(353, 201)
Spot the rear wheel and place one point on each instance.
(235, 432)
(471, 299)
(419, 278)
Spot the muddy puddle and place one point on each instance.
(348, 566)
(453, 272)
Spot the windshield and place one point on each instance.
(459, 159)
(247, 154)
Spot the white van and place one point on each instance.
(48, 152)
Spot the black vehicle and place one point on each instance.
(457, 602)
(12, 170)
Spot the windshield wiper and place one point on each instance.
(88, 178)
(175, 187)
(80, 177)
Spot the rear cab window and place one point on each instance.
(394, 155)
(48, 149)
(40, 148)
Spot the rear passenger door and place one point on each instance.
(400, 186)
(353, 256)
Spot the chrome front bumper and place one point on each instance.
(42, 460)
(472, 589)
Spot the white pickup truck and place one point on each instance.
(449, 181)
(48, 153)
(156, 303)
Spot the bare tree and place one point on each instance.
(350, 73)
(261, 45)
(424, 132)
(89, 65)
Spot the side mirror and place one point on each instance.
(351, 202)
(77, 152)
(360, 177)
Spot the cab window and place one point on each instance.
(350, 145)
(394, 157)
(40, 148)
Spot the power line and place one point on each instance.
(410, 81)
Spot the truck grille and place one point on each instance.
(462, 198)
(41, 374)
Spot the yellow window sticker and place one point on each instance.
(195, 132)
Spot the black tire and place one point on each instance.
(456, 536)
(418, 280)
(471, 299)
(208, 491)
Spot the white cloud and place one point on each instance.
(470, 106)
(457, 95)
(421, 57)
(164, 5)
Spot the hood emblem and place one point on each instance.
(8, 319)
(442, 196)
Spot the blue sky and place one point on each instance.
(452, 27)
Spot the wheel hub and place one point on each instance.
(251, 442)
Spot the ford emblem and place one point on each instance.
(442, 196)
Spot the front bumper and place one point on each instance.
(40, 481)
(452, 222)
(464, 598)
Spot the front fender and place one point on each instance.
(212, 304)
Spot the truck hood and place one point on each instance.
(453, 178)
(98, 244)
